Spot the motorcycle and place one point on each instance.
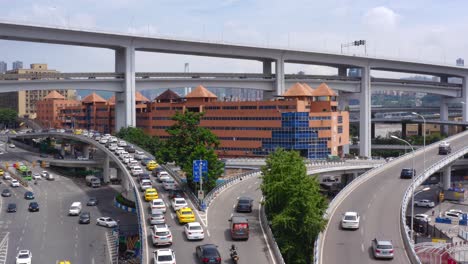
(234, 255)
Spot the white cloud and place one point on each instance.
(381, 18)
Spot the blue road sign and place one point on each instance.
(196, 169)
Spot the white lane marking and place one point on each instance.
(263, 231)
(92, 260)
(362, 231)
(231, 215)
(362, 247)
(208, 232)
(368, 206)
(233, 206)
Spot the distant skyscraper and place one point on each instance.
(3, 67)
(460, 62)
(17, 65)
(354, 72)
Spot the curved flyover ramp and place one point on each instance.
(377, 198)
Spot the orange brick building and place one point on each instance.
(303, 119)
(48, 109)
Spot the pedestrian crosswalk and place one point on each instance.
(4, 247)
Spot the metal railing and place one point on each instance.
(4, 248)
(404, 229)
(269, 233)
(112, 246)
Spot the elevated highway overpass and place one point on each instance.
(125, 46)
(128, 183)
(377, 196)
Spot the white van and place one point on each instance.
(75, 208)
(169, 184)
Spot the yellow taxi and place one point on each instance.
(1, 172)
(185, 215)
(78, 131)
(152, 165)
(151, 194)
(63, 262)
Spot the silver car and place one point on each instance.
(157, 217)
(382, 249)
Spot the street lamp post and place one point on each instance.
(424, 138)
(412, 185)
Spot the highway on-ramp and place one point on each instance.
(378, 201)
(255, 249)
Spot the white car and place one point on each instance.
(161, 235)
(122, 143)
(158, 204)
(194, 231)
(15, 183)
(137, 171)
(164, 256)
(106, 221)
(12, 145)
(456, 211)
(7, 176)
(452, 215)
(103, 141)
(98, 138)
(113, 147)
(178, 203)
(424, 203)
(423, 217)
(82, 158)
(145, 184)
(36, 176)
(163, 175)
(24, 257)
(350, 220)
(113, 139)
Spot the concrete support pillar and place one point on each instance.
(125, 102)
(267, 67)
(420, 130)
(86, 151)
(127, 191)
(279, 72)
(365, 114)
(105, 170)
(444, 114)
(343, 101)
(342, 71)
(447, 177)
(403, 130)
(465, 98)
(372, 130)
(345, 149)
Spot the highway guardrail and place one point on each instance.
(404, 229)
(269, 233)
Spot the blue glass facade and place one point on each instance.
(295, 134)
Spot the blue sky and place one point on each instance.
(418, 30)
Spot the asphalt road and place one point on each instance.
(378, 201)
(253, 250)
(51, 234)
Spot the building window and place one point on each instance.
(230, 108)
(340, 119)
(248, 107)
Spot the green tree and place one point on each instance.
(185, 135)
(7, 116)
(138, 137)
(293, 204)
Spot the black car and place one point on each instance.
(29, 195)
(130, 149)
(208, 253)
(33, 207)
(11, 208)
(143, 176)
(406, 173)
(177, 193)
(145, 161)
(85, 218)
(6, 193)
(244, 204)
(92, 201)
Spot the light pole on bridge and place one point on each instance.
(412, 185)
(424, 138)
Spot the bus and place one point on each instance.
(24, 172)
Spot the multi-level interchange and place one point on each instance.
(377, 204)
